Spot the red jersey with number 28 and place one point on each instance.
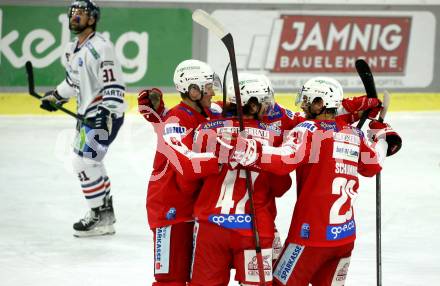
(328, 156)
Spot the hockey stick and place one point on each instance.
(366, 76)
(32, 92)
(225, 75)
(367, 79)
(210, 23)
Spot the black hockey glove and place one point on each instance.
(51, 101)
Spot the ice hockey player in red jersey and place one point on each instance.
(327, 155)
(223, 232)
(169, 210)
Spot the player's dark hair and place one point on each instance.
(231, 108)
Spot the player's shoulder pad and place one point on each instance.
(307, 125)
(180, 110)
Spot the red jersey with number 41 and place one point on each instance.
(328, 156)
(223, 199)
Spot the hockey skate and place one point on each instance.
(110, 213)
(98, 221)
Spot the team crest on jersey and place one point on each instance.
(80, 62)
(251, 265)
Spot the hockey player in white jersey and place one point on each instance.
(94, 76)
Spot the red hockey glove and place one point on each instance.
(151, 105)
(246, 153)
(379, 130)
(362, 103)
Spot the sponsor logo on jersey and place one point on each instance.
(162, 250)
(107, 63)
(233, 221)
(92, 50)
(213, 124)
(231, 130)
(290, 114)
(287, 262)
(346, 169)
(258, 133)
(345, 151)
(174, 130)
(305, 231)
(328, 126)
(340, 231)
(307, 125)
(113, 92)
(251, 265)
(347, 138)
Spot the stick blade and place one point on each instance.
(385, 104)
(366, 76)
(203, 18)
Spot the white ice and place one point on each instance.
(40, 199)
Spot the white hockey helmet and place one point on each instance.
(252, 85)
(196, 72)
(329, 89)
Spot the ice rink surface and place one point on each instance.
(40, 199)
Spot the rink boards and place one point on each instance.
(22, 103)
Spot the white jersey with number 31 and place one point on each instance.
(93, 75)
